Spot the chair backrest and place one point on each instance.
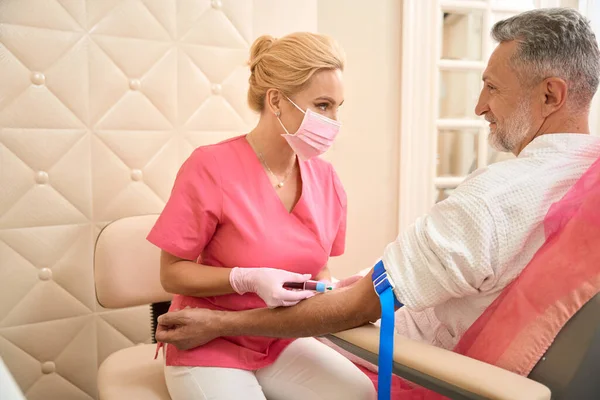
(569, 367)
(126, 265)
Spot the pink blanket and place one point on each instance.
(515, 331)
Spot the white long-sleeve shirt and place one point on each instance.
(451, 264)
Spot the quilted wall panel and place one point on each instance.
(100, 103)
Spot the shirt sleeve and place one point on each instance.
(191, 215)
(452, 252)
(339, 243)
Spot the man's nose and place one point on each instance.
(482, 106)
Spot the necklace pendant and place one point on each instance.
(279, 185)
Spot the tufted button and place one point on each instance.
(41, 177)
(135, 84)
(37, 78)
(48, 367)
(45, 274)
(216, 4)
(136, 175)
(216, 88)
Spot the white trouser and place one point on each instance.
(306, 370)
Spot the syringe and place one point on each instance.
(320, 287)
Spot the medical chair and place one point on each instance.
(126, 271)
(568, 370)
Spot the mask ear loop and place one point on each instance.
(278, 114)
(295, 105)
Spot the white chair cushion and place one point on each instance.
(133, 373)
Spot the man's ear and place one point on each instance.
(555, 91)
(273, 98)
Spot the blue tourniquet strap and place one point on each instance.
(384, 289)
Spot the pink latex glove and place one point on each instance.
(267, 283)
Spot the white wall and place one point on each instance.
(366, 153)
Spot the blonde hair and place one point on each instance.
(288, 63)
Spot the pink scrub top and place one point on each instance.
(223, 211)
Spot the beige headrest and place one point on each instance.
(126, 265)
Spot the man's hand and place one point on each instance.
(343, 308)
(188, 328)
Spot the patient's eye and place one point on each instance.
(490, 87)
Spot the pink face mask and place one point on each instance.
(314, 136)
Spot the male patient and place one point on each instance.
(453, 262)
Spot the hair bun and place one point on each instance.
(260, 46)
(288, 63)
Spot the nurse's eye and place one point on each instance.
(323, 106)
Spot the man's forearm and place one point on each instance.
(326, 313)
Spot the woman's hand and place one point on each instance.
(324, 275)
(347, 281)
(267, 283)
(351, 279)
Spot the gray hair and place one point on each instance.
(554, 42)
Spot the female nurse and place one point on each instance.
(246, 215)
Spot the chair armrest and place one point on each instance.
(440, 370)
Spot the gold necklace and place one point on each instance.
(280, 183)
